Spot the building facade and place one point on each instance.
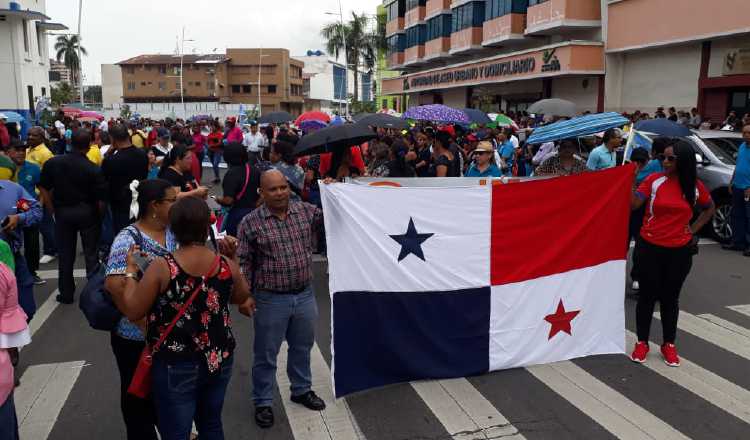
(620, 55)
(59, 73)
(328, 85)
(24, 55)
(111, 85)
(268, 77)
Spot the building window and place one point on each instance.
(41, 41)
(396, 9)
(131, 85)
(498, 8)
(190, 84)
(44, 91)
(162, 70)
(175, 70)
(162, 85)
(411, 4)
(439, 27)
(246, 88)
(366, 94)
(272, 89)
(339, 83)
(268, 69)
(415, 36)
(536, 2)
(197, 84)
(147, 67)
(236, 88)
(143, 83)
(396, 43)
(468, 15)
(25, 26)
(130, 70)
(177, 85)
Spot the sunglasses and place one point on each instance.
(663, 158)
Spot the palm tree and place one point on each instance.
(361, 44)
(67, 52)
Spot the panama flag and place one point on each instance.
(431, 283)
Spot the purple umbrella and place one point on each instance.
(311, 125)
(437, 113)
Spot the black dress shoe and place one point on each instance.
(746, 252)
(62, 300)
(310, 400)
(732, 247)
(264, 416)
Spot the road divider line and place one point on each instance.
(613, 411)
(742, 308)
(722, 337)
(463, 411)
(711, 387)
(52, 274)
(336, 422)
(41, 396)
(721, 322)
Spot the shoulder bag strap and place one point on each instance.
(187, 303)
(247, 180)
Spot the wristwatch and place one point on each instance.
(132, 275)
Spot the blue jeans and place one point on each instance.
(740, 218)
(183, 392)
(278, 317)
(215, 157)
(8, 420)
(47, 228)
(25, 285)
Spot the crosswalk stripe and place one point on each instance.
(721, 322)
(43, 313)
(41, 395)
(713, 333)
(742, 308)
(709, 386)
(613, 411)
(336, 422)
(52, 274)
(463, 411)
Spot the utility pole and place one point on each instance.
(182, 86)
(260, 66)
(80, 59)
(346, 61)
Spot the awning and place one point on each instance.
(24, 14)
(49, 26)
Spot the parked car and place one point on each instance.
(716, 153)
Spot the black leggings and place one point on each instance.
(661, 273)
(139, 415)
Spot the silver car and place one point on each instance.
(716, 154)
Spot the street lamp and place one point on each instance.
(182, 86)
(80, 60)
(260, 67)
(346, 58)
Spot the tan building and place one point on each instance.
(241, 76)
(59, 73)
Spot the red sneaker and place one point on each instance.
(669, 351)
(639, 352)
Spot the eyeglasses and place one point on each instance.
(663, 158)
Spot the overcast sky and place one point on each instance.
(113, 30)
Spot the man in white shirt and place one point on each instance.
(254, 141)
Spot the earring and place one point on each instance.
(153, 216)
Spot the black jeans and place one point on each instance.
(73, 220)
(661, 272)
(31, 247)
(634, 232)
(138, 414)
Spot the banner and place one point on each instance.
(430, 283)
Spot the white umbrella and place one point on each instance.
(553, 107)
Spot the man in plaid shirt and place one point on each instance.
(275, 251)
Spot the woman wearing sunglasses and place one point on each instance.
(667, 243)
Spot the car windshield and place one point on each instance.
(725, 151)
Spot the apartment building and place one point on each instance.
(617, 55)
(327, 84)
(59, 73)
(269, 77)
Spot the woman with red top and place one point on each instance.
(215, 147)
(667, 243)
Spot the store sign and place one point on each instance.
(737, 62)
(475, 73)
(551, 62)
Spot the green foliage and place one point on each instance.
(125, 112)
(66, 48)
(62, 94)
(93, 94)
(363, 107)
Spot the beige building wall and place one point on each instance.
(111, 85)
(581, 90)
(455, 98)
(719, 50)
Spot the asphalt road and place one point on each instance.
(70, 384)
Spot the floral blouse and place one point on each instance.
(204, 331)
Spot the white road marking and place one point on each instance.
(713, 388)
(336, 422)
(721, 322)
(701, 242)
(720, 336)
(613, 411)
(52, 274)
(43, 313)
(41, 395)
(463, 411)
(742, 308)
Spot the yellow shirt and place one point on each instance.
(137, 138)
(39, 155)
(94, 155)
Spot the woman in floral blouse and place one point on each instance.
(191, 369)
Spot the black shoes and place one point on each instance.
(264, 416)
(747, 252)
(62, 300)
(732, 247)
(310, 400)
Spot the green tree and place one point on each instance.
(125, 112)
(67, 53)
(361, 44)
(61, 94)
(93, 94)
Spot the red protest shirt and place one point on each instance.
(667, 219)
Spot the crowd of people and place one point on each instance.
(175, 259)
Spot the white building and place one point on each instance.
(111, 85)
(24, 55)
(324, 84)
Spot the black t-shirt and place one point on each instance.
(453, 166)
(74, 180)
(184, 181)
(121, 168)
(233, 182)
(423, 156)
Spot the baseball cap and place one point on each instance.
(2, 116)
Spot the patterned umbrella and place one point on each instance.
(312, 125)
(580, 126)
(317, 116)
(504, 121)
(437, 113)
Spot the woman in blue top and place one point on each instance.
(155, 197)
(483, 164)
(506, 151)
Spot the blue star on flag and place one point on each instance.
(411, 242)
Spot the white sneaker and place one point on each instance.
(635, 285)
(47, 259)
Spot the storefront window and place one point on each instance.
(411, 4)
(396, 43)
(439, 27)
(498, 8)
(396, 9)
(468, 15)
(415, 36)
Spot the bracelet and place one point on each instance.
(132, 275)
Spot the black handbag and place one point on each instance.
(95, 302)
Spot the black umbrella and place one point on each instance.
(275, 118)
(359, 116)
(383, 120)
(333, 138)
(477, 116)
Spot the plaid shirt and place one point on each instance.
(276, 254)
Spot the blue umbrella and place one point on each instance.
(436, 113)
(477, 116)
(663, 127)
(337, 121)
(13, 117)
(580, 126)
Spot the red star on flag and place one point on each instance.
(560, 320)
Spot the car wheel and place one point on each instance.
(720, 227)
